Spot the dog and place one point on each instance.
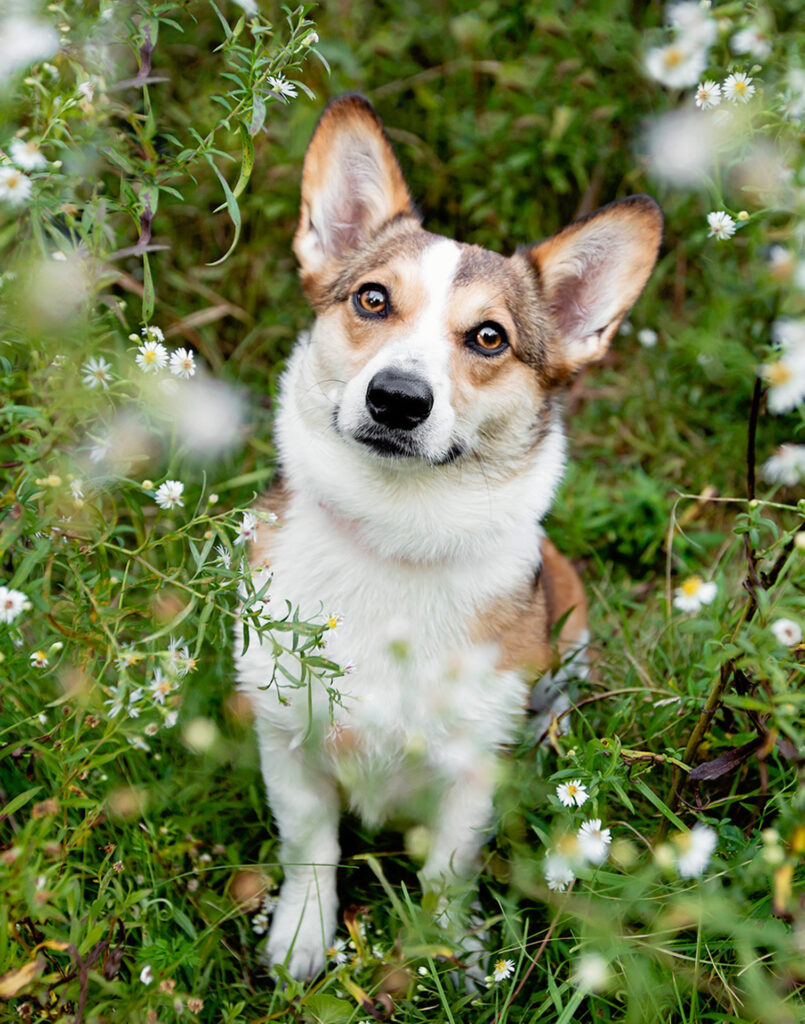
(421, 444)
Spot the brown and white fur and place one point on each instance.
(419, 529)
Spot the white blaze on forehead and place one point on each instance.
(437, 267)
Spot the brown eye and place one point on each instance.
(372, 299)
(489, 338)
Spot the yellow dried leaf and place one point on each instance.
(13, 982)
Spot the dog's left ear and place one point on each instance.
(591, 274)
(351, 184)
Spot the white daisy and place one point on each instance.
(786, 377)
(39, 659)
(260, 924)
(127, 658)
(675, 66)
(12, 603)
(116, 703)
(182, 363)
(786, 631)
(280, 84)
(572, 792)
(224, 555)
(15, 187)
(786, 466)
(169, 494)
(721, 225)
(152, 356)
(24, 41)
(594, 841)
(160, 686)
(87, 90)
(738, 88)
(558, 872)
(693, 593)
(337, 954)
(788, 333)
(591, 972)
(693, 850)
(153, 333)
(502, 969)
(97, 372)
(647, 337)
(751, 41)
(707, 95)
(26, 155)
(248, 528)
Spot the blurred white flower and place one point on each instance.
(248, 528)
(738, 88)
(152, 333)
(721, 225)
(146, 975)
(573, 792)
(502, 969)
(182, 363)
(87, 90)
(681, 146)
(260, 923)
(708, 95)
(786, 466)
(591, 972)
(77, 489)
(224, 555)
(152, 356)
(676, 66)
(12, 603)
(558, 872)
(200, 734)
(693, 850)
(24, 41)
(752, 41)
(169, 494)
(39, 659)
(594, 841)
(26, 155)
(281, 85)
(694, 593)
(15, 187)
(786, 377)
(160, 686)
(692, 22)
(97, 372)
(208, 414)
(647, 337)
(337, 952)
(786, 631)
(788, 333)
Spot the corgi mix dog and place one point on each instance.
(421, 444)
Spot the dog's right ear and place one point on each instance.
(351, 184)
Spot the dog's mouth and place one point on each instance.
(395, 444)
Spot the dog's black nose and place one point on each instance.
(398, 399)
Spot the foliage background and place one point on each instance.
(509, 119)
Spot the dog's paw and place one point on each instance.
(300, 934)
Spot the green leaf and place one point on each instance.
(327, 1009)
(234, 213)
(652, 797)
(148, 290)
(258, 114)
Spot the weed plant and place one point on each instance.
(646, 862)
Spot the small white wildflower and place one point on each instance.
(693, 850)
(647, 337)
(15, 187)
(786, 377)
(336, 954)
(786, 631)
(224, 555)
(423, 971)
(738, 88)
(115, 703)
(160, 686)
(77, 489)
(786, 466)
(12, 603)
(127, 658)
(146, 975)
(151, 333)
(39, 659)
(788, 333)
(151, 729)
(502, 969)
(169, 494)
(27, 155)
(138, 742)
(24, 41)
(182, 363)
(591, 972)
(249, 7)
(280, 84)
(311, 39)
(674, 66)
(708, 95)
(693, 593)
(97, 372)
(171, 719)
(594, 841)
(558, 872)
(721, 225)
(151, 356)
(87, 90)
(692, 23)
(572, 792)
(248, 528)
(751, 41)
(260, 924)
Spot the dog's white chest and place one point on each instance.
(419, 698)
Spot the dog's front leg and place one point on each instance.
(305, 806)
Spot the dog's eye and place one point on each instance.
(489, 338)
(371, 299)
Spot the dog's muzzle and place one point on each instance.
(398, 400)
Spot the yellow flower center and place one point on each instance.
(332, 622)
(572, 790)
(740, 87)
(778, 373)
(500, 965)
(149, 355)
(691, 586)
(673, 57)
(14, 180)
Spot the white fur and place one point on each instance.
(405, 554)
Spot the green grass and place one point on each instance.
(509, 119)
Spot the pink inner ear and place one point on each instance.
(346, 224)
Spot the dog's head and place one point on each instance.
(426, 352)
